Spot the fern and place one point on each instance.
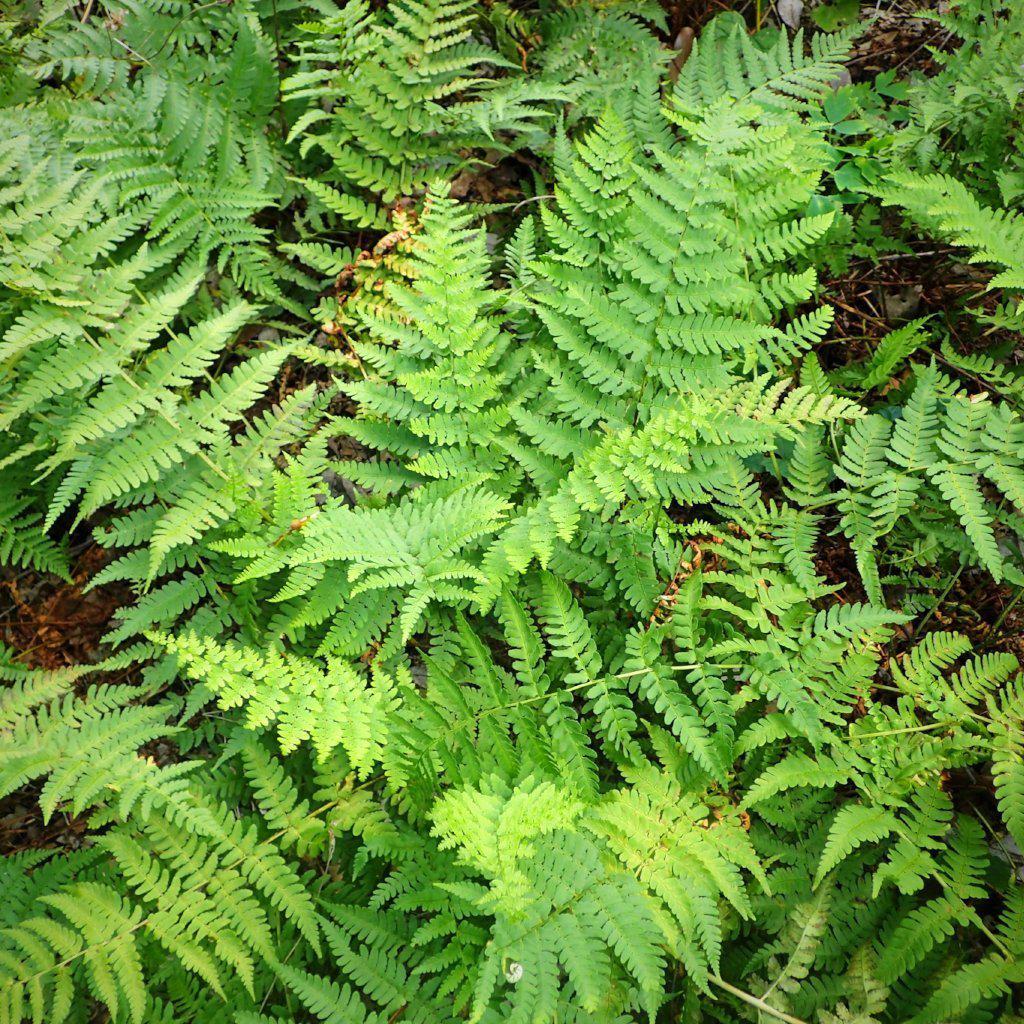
(496, 652)
(392, 98)
(947, 208)
(929, 466)
(961, 120)
(726, 63)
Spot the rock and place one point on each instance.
(843, 78)
(790, 12)
(902, 303)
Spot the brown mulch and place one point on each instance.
(836, 561)
(897, 38)
(873, 297)
(53, 624)
(973, 607)
(22, 826)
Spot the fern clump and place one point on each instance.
(544, 613)
(395, 99)
(963, 120)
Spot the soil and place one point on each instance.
(51, 623)
(897, 38)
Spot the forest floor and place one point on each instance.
(52, 623)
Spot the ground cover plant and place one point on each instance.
(511, 512)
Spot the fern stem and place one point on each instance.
(752, 1000)
(531, 199)
(1006, 611)
(909, 728)
(942, 597)
(582, 686)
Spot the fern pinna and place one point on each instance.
(395, 96)
(483, 656)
